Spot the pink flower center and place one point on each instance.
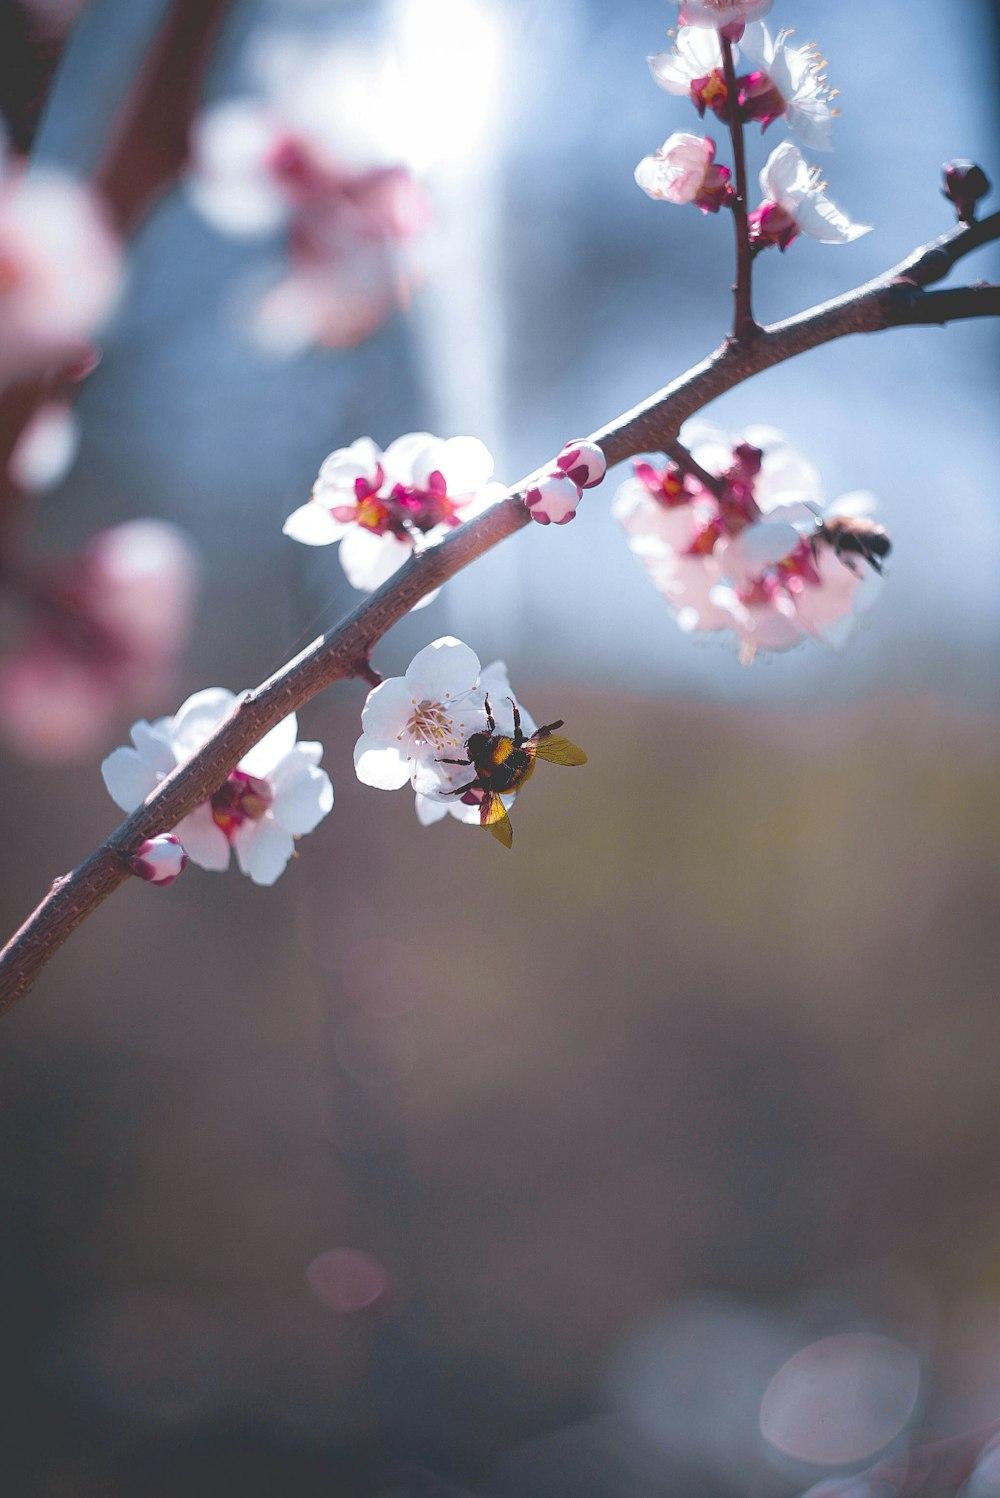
(242, 798)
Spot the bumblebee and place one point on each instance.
(503, 764)
(857, 537)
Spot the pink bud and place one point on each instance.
(553, 500)
(583, 462)
(158, 859)
(965, 183)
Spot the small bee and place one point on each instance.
(857, 536)
(503, 763)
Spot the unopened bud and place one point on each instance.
(583, 462)
(158, 859)
(553, 500)
(964, 184)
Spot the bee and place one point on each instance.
(503, 763)
(858, 537)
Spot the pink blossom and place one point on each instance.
(259, 169)
(795, 201)
(788, 83)
(101, 633)
(59, 270)
(694, 68)
(682, 171)
(729, 16)
(552, 500)
(381, 505)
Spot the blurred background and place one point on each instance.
(661, 1156)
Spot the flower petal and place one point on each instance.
(379, 765)
(128, 777)
(303, 794)
(442, 670)
(272, 748)
(204, 843)
(313, 525)
(263, 850)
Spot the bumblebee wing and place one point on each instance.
(559, 751)
(493, 814)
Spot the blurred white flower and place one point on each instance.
(795, 200)
(276, 793)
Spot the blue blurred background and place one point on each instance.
(702, 1074)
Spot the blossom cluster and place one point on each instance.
(381, 506)
(748, 546)
(785, 82)
(278, 164)
(276, 793)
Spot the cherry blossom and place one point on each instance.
(682, 171)
(159, 859)
(729, 16)
(694, 68)
(789, 84)
(553, 499)
(276, 793)
(795, 201)
(59, 269)
(101, 632)
(413, 724)
(381, 505)
(754, 552)
(261, 167)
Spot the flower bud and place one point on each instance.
(553, 500)
(964, 184)
(583, 462)
(158, 859)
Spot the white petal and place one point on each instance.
(263, 849)
(128, 777)
(376, 764)
(467, 464)
(408, 453)
(313, 525)
(153, 745)
(784, 177)
(669, 72)
(272, 748)
(387, 710)
(429, 810)
(197, 719)
(812, 121)
(303, 794)
(442, 670)
(823, 220)
(204, 843)
(369, 560)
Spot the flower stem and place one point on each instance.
(689, 464)
(744, 327)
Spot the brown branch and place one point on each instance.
(892, 300)
(744, 327)
(687, 463)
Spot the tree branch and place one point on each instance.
(744, 326)
(890, 301)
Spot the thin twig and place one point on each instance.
(744, 327)
(891, 300)
(688, 463)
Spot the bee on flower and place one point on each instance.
(757, 553)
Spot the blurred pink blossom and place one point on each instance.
(59, 269)
(103, 631)
(259, 169)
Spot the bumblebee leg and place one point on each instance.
(440, 761)
(518, 735)
(490, 724)
(541, 733)
(460, 790)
